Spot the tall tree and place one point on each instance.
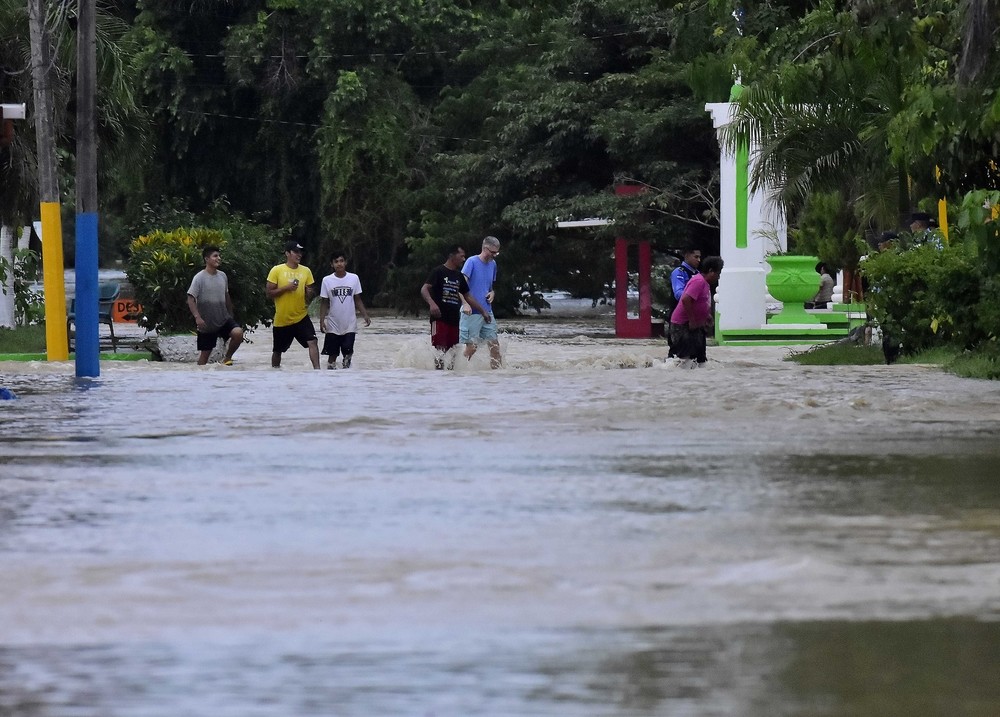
(566, 101)
(43, 72)
(827, 113)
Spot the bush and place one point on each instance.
(29, 306)
(161, 265)
(927, 296)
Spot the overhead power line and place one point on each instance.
(309, 125)
(420, 53)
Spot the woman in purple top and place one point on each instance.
(692, 318)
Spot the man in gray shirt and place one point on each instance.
(212, 308)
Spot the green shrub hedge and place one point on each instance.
(161, 265)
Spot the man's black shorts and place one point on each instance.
(688, 343)
(303, 332)
(338, 343)
(208, 340)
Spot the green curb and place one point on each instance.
(779, 342)
(136, 356)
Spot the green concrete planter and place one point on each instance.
(793, 281)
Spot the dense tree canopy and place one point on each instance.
(392, 128)
(384, 126)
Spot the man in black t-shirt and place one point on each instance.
(444, 291)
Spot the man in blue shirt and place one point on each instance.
(680, 276)
(474, 325)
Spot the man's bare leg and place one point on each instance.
(235, 340)
(314, 354)
(495, 358)
(469, 350)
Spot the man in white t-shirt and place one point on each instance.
(340, 301)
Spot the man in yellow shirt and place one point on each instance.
(292, 287)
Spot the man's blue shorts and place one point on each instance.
(473, 328)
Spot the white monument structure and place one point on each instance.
(751, 226)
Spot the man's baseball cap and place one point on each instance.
(294, 246)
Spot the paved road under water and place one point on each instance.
(588, 531)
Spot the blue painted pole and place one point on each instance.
(88, 346)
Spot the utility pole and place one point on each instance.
(56, 341)
(87, 338)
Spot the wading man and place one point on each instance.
(692, 318)
(477, 325)
(444, 291)
(291, 286)
(212, 308)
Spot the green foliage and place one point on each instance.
(662, 291)
(984, 363)
(366, 156)
(827, 228)
(926, 296)
(29, 307)
(849, 98)
(353, 122)
(978, 221)
(162, 264)
(988, 309)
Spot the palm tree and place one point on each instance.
(828, 128)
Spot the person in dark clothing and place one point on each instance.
(443, 291)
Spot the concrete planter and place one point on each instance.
(793, 281)
(183, 348)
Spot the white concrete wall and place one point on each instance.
(7, 297)
(742, 294)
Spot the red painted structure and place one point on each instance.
(626, 250)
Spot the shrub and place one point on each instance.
(29, 306)
(927, 296)
(161, 265)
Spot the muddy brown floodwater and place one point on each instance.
(589, 531)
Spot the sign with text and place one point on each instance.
(125, 311)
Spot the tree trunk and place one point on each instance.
(853, 292)
(41, 70)
(42, 63)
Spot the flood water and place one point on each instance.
(588, 531)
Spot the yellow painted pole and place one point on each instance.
(943, 218)
(56, 340)
(942, 210)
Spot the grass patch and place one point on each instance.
(124, 356)
(940, 355)
(982, 363)
(23, 340)
(27, 343)
(839, 355)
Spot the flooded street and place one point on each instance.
(589, 531)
